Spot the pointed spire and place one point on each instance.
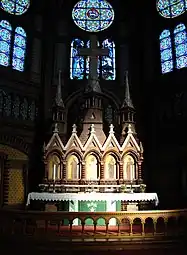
(127, 101)
(74, 130)
(58, 99)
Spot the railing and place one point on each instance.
(95, 226)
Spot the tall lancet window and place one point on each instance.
(110, 167)
(180, 39)
(73, 168)
(129, 168)
(166, 54)
(5, 41)
(76, 62)
(108, 62)
(19, 49)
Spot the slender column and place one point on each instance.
(46, 164)
(139, 170)
(64, 170)
(131, 223)
(143, 227)
(102, 174)
(83, 171)
(121, 171)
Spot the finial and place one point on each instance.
(127, 101)
(129, 129)
(56, 128)
(111, 129)
(74, 130)
(58, 99)
(92, 130)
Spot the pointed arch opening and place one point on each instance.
(5, 42)
(108, 62)
(110, 167)
(76, 61)
(180, 40)
(19, 49)
(73, 168)
(129, 168)
(54, 167)
(92, 167)
(166, 53)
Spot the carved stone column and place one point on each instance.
(102, 174)
(64, 170)
(120, 170)
(139, 170)
(83, 171)
(46, 165)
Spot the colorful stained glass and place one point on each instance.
(19, 49)
(108, 62)
(166, 52)
(171, 8)
(76, 61)
(93, 15)
(180, 39)
(87, 60)
(15, 7)
(5, 40)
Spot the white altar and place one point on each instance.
(93, 196)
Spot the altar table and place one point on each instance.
(93, 196)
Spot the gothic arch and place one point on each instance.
(75, 152)
(15, 142)
(114, 153)
(95, 153)
(55, 151)
(132, 152)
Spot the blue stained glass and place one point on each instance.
(76, 62)
(16, 7)
(108, 62)
(166, 52)
(93, 15)
(5, 39)
(171, 8)
(180, 39)
(19, 49)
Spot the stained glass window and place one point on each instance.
(88, 62)
(166, 52)
(79, 65)
(108, 62)
(16, 7)
(171, 8)
(76, 61)
(93, 15)
(5, 40)
(19, 49)
(180, 39)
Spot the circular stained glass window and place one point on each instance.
(93, 15)
(15, 7)
(171, 8)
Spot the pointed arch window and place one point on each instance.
(79, 65)
(108, 62)
(19, 49)
(180, 40)
(166, 52)
(5, 42)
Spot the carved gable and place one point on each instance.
(130, 142)
(55, 142)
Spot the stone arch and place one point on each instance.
(76, 152)
(111, 167)
(92, 166)
(73, 166)
(54, 165)
(95, 152)
(112, 152)
(15, 142)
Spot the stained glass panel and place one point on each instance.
(16, 7)
(108, 62)
(166, 52)
(87, 60)
(76, 62)
(171, 8)
(180, 39)
(5, 40)
(93, 15)
(19, 49)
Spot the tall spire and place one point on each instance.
(127, 101)
(58, 99)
